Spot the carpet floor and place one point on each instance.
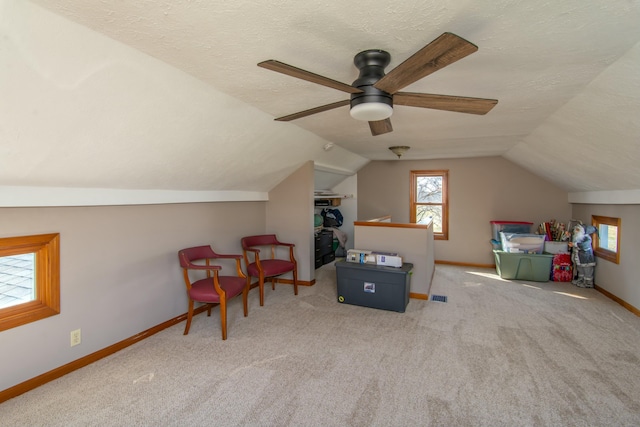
(497, 353)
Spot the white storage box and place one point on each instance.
(522, 243)
(388, 259)
(360, 256)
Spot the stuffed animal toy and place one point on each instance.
(584, 261)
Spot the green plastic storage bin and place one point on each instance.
(532, 267)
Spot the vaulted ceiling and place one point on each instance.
(566, 75)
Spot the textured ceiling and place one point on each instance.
(534, 57)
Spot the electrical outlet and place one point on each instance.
(76, 337)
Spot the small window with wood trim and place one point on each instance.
(29, 279)
(606, 244)
(429, 200)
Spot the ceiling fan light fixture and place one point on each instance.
(371, 111)
(374, 92)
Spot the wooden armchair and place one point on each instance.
(214, 288)
(266, 265)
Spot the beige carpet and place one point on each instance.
(498, 353)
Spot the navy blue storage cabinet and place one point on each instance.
(375, 286)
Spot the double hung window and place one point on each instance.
(429, 200)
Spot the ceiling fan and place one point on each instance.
(374, 93)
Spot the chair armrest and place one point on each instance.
(290, 246)
(291, 256)
(256, 256)
(203, 267)
(236, 257)
(228, 256)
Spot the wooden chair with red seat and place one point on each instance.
(215, 288)
(268, 265)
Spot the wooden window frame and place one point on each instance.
(444, 235)
(46, 248)
(601, 252)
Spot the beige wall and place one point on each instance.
(480, 190)
(621, 279)
(119, 273)
(290, 216)
(348, 206)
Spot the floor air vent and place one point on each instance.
(439, 298)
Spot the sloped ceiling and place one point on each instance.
(565, 74)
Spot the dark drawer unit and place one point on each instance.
(326, 259)
(324, 248)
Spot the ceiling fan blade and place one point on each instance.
(311, 111)
(292, 71)
(460, 104)
(381, 126)
(443, 51)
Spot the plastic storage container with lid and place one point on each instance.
(510, 227)
(522, 243)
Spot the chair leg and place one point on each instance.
(209, 307)
(295, 282)
(273, 283)
(261, 286)
(223, 316)
(245, 298)
(189, 317)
